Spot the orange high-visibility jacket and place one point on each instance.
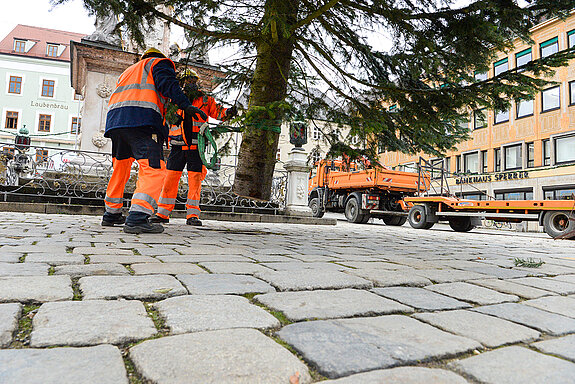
(136, 101)
(209, 106)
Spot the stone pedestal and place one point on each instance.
(298, 170)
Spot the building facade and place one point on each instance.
(528, 151)
(35, 89)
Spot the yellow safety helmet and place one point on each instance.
(151, 52)
(188, 73)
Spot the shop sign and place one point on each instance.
(44, 104)
(493, 177)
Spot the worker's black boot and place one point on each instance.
(158, 219)
(194, 221)
(109, 220)
(143, 228)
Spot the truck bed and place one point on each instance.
(384, 179)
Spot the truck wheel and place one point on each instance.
(366, 218)
(352, 211)
(316, 210)
(461, 224)
(394, 220)
(417, 217)
(558, 223)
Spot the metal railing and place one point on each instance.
(67, 176)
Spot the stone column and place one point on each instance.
(298, 170)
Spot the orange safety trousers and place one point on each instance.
(169, 193)
(148, 186)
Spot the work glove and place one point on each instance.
(231, 112)
(194, 112)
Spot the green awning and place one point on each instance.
(523, 53)
(549, 42)
(571, 33)
(502, 61)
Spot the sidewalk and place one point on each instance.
(262, 303)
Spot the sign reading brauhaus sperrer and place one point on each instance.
(492, 177)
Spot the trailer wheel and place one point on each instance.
(558, 223)
(316, 210)
(418, 217)
(394, 220)
(352, 211)
(461, 224)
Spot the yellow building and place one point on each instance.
(527, 152)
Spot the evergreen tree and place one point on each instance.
(291, 45)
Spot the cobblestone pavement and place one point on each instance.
(276, 303)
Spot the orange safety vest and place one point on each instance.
(136, 88)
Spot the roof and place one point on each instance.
(36, 39)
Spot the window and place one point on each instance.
(523, 57)
(500, 66)
(513, 158)
(572, 92)
(501, 116)
(564, 149)
(463, 124)
(559, 193)
(44, 123)
(480, 76)
(48, 88)
(480, 195)
(20, 46)
(76, 123)
(316, 133)
(315, 156)
(437, 166)
(458, 164)
(550, 99)
(479, 119)
(41, 156)
(530, 155)
(8, 152)
(11, 120)
(51, 50)
(15, 85)
(521, 194)
(524, 108)
(549, 47)
(392, 108)
(447, 165)
(571, 39)
(471, 162)
(546, 146)
(483, 161)
(497, 159)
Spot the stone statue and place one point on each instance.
(105, 31)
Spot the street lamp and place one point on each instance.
(298, 133)
(22, 140)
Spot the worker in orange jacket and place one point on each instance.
(135, 124)
(183, 141)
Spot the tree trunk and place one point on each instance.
(257, 156)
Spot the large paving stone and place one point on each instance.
(102, 251)
(196, 313)
(9, 314)
(234, 267)
(346, 346)
(403, 375)
(421, 298)
(208, 249)
(203, 258)
(543, 321)
(507, 286)
(130, 287)
(297, 266)
(24, 269)
(102, 364)
(122, 259)
(513, 365)
(548, 284)
(6, 257)
(55, 258)
(448, 275)
(566, 278)
(27, 289)
(388, 278)
(222, 284)
(472, 293)
(322, 304)
(488, 330)
(557, 304)
(312, 279)
(239, 356)
(76, 271)
(43, 248)
(562, 346)
(167, 269)
(80, 323)
(495, 271)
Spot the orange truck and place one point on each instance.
(337, 186)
